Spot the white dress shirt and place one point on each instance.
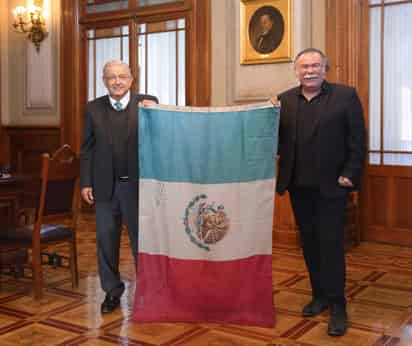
(124, 101)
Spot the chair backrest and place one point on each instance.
(59, 178)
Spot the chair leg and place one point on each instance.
(37, 274)
(18, 271)
(357, 218)
(73, 263)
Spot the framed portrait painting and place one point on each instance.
(265, 31)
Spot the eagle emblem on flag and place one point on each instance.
(205, 223)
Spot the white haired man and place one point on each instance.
(109, 172)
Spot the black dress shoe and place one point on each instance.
(338, 321)
(110, 303)
(314, 308)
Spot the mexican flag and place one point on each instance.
(207, 182)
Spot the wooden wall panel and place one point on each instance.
(378, 201)
(26, 146)
(402, 203)
(200, 57)
(28, 143)
(4, 142)
(389, 202)
(285, 231)
(4, 147)
(346, 22)
(72, 76)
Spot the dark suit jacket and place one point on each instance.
(265, 44)
(96, 155)
(341, 142)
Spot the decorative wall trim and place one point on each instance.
(4, 62)
(30, 89)
(42, 74)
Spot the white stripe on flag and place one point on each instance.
(248, 206)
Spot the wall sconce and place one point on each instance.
(30, 21)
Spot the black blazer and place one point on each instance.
(96, 154)
(342, 139)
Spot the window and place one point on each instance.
(161, 68)
(162, 61)
(93, 38)
(103, 45)
(390, 103)
(155, 2)
(161, 40)
(101, 6)
(96, 6)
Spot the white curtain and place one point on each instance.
(106, 49)
(181, 68)
(161, 66)
(397, 89)
(375, 80)
(398, 83)
(165, 66)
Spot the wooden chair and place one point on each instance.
(59, 197)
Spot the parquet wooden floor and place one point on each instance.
(379, 292)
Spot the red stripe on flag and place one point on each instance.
(236, 291)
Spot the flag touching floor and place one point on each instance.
(206, 201)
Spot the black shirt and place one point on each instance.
(306, 169)
(119, 130)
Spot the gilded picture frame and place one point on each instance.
(265, 31)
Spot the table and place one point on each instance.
(12, 189)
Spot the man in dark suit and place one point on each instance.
(269, 36)
(322, 146)
(109, 172)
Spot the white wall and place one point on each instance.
(30, 80)
(4, 63)
(234, 83)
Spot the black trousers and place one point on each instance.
(321, 228)
(109, 218)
